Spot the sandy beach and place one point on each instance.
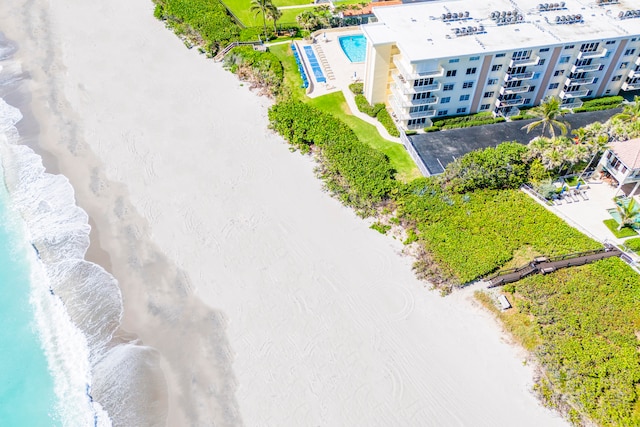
(260, 300)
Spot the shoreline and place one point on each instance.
(176, 252)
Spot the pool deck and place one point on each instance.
(338, 70)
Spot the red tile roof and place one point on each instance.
(628, 152)
(367, 10)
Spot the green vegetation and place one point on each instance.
(633, 244)
(586, 320)
(464, 121)
(364, 106)
(630, 112)
(548, 114)
(356, 173)
(336, 105)
(620, 233)
(262, 69)
(357, 88)
(597, 104)
(292, 84)
(492, 168)
(385, 119)
(380, 228)
(572, 181)
(474, 234)
(202, 22)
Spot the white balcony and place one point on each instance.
(586, 68)
(408, 88)
(597, 54)
(403, 115)
(520, 76)
(574, 94)
(630, 86)
(577, 82)
(410, 74)
(571, 105)
(405, 101)
(512, 90)
(509, 102)
(633, 74)
(523, 62)
(637, 61)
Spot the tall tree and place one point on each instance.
(627, 213)
(274, 14)
(262, 7)
(548, 113)
(307, 20)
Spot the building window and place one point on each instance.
(564, 59)
(471, 70)
(554, 86)
(448, 86)
(417, 122)
(589, 47)
(492, 82)
(500, 55)
(611, 42)
(454, 60)
(488, 94)
(629, 52)
(558, 73)
(422, 82)
(474, 58)
(452, 73)
(461, 110)
(532, 88)
(467, 85)
(616, 78)
(464, 97)
(624, 65)
(571, 46)
(443, 112)
(445, 100)
(607, 92)
(496, 67)
(527, 100)
(546, 49)
(542, 61)
(485, 107)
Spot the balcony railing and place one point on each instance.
(630, 86)
(571, 105)
(408, 88)
(637, 61)
(409, 74)
(512, 90)
(523, 62)
(520, 76)
(633, 74)
(597, 54)
(586, 68)
(404, 101)
(509, 102)
(574, 94)
(577, 82)
(402, 115)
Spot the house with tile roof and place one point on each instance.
(622, 163)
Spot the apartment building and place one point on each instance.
(455, 57)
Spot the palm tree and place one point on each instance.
(548, 112)
(627, 213)
(307, 20)
(631, 111)
(274, 14)
(262, 7)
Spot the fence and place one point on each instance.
(408, 145)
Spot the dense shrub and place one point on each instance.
(633, 244)
(263, 69)
(358, 174)
(467, 121)
(492, 168)
(471, 235)
(432, 129)
(588, 318)
(357, 88)
(364, 106)
(386, 120)
(204, 22)
(613, 101)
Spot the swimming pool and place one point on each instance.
(355, 47)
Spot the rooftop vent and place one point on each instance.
(606, 2)
(546, 7)
(468, 31)
(629, 14)
(568, 19)
(506, 17)
(456, 16)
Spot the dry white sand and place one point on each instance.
(268, 301)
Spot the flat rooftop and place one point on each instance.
(421, 33)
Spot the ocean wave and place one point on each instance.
(77, 304)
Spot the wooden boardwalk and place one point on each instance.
(544, 265)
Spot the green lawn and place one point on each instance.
(335, 104)
(633, 244)
(289, 15)
(242, 9)
(292, 79)
(612, 225)
(281, 3)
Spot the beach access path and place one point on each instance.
(269, 303)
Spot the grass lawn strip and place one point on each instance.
(613, 225)
(292, 78)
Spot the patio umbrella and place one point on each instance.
(578, 186)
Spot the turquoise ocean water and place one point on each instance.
(27, 396)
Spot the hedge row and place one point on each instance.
(386, 120)
(598, 104)
(360, 175)
(465, 121)
(357, 88)
(364, 106)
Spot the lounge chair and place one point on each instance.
(567, 198)
(584, 195)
